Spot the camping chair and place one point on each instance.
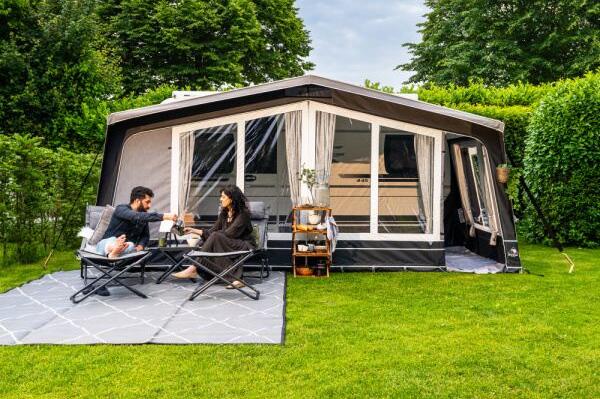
(259, 218)
(111, 270)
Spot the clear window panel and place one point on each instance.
(400, 203)
(266, 176)
(349, 182)
(213, 168)
(475, 176)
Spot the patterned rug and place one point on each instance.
(40, 312)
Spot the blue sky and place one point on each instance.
(357, 40)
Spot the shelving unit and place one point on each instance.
(311, 235)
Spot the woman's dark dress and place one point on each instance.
(227, 236)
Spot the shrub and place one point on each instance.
(561, 162)
(37, 188)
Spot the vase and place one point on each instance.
(321, 194)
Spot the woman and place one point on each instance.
(231, 232)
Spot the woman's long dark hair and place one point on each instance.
(239, 203)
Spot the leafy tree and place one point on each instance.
(506, 41)
(205, 44)
(53, 65)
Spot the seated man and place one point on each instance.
(128, 228)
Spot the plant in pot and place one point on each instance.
(308, 176)
(502, 173)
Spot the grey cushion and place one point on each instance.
(102, 225)
(257, 209)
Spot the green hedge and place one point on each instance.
(513, 105)
(37, 188)
(561, 162)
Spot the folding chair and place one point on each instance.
(111, 270)
(259, 218)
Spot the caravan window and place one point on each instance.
(405, 195)
(265, 176)
(213, 168)
(214, 151)
(350, 177)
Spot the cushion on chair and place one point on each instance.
(257, 209)
(102, 225)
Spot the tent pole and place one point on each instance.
(549, 230)
(66, 222)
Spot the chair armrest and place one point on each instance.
(217, 254)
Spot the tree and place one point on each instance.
(53, 66)
(205, 44)
(501, 42)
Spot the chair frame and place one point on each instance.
(241, 256)
(111, 270)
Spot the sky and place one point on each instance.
(355, 40)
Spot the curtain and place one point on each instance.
(490, 204)
(424, 153)
(462, 187)
(325, 129)
(293, 147)
(186, 159)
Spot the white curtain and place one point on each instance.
(186, 160)
(424, 153)
(490, 204)
(293, 147)
(325, 129)
(462, 187)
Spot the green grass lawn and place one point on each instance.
(360, 335)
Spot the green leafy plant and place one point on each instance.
(561, 158)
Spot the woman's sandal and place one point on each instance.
(235, 284)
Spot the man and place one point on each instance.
(128, 230)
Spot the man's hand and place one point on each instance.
(139, 248)
(170, 216)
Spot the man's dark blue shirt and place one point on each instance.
(133, 224)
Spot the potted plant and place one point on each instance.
(308, 176)
(502, 173)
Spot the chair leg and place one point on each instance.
(106, 274)
(255, 294)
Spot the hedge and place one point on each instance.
(37, 188)
(561, 162)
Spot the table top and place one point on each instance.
(173, 248)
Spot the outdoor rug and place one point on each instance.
(40, 312)
(460, 259)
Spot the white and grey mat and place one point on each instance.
(460, 259)
(41, 312)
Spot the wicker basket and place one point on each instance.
(304, 271)
(502, 174)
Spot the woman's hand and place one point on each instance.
(191, 230)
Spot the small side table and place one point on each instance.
(174, 254)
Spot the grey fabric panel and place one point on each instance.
(40, 312)
(146, 161)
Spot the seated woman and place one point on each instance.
(231, 232)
